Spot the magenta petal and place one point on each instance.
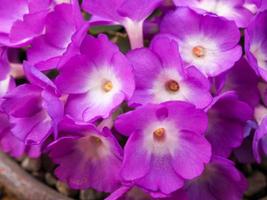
(138, 10)
(124, 122)
(125, 74)
(168, 51)
(31, 26)
(38, 78)
(10, 12)
(18, 102)
(227, 120)
(189, 146)
(62, 24)
(32, 130)
(81, 108)
(46, 55)
(185, 109)
(11, 144)
(97, 49)
(75, 72)
(144, 62)
(244, 81)
(134, 153)
(161, 170)
(103, 8)
(221, 180)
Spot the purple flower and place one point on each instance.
(129, 13)
(64, 30)
(164, 145)
(237, 10)
(256, 44)
(6, 81)
(34, 109)
(260, 137)
(220, 180)
(98, 80)
(243, 80)
(244, 153)
(202, 40)
(22, 20)
(12, 145)
(88, 158)
(227, 120)
(160, 76)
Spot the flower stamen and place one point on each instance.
(172, 86)
(198, 51)
(96, 140)
(107, 86)
(159, 134)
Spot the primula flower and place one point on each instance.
(128, 13)
(256, 44)
(11, 144)
(88, 158)
(98, 80)
(244, 81)
(202, 40)
(160, 76)
(6, 81)
(260, 137)
(220, 180)
(227, 121)
(239, 11)
(64, 30)
(244, 153)
(164, 145)
(22, 20)
(34, 109)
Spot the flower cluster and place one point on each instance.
(162, 118)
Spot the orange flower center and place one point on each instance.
(107, 86)
(172, 86)
(159, 134)
(198, 51)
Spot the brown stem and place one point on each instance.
(22, 185)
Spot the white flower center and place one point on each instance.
(103, 84)
(167, 86)
(161, 138)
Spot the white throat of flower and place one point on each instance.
(221, 8)
(199, 51)
(93, 147)
(103, 84)
(160, 137)
(167, 86)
